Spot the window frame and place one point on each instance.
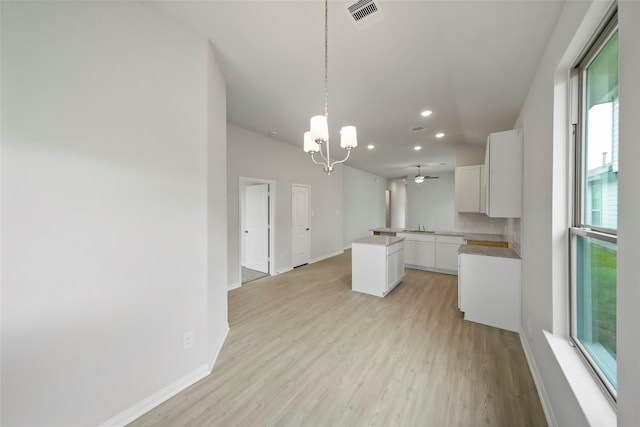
(579, 228)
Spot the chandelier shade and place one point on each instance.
(310, 146)
(348, 137)
(319, 129)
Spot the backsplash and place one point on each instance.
(513, 232)
(479, 223)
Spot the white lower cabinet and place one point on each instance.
(395, 269)
(425, 254)
(489, 290)
(432, 252)
(377, 268)
(447, 252)
(410, 252)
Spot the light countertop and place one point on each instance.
(486, 237)
(465, 235)
(387, 230)
(379, 240)
(488, 251)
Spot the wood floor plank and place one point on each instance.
(305, 350)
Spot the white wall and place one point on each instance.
(432, 203)
(217, 207)
(253, 155)
(108, 212)
(364, 203)
(470, 155)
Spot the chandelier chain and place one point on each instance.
(318, 137)
(326, 59)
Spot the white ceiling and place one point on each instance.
(470, 62)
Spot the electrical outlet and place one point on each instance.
(187, 340)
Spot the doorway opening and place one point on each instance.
(257, 208)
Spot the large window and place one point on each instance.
(594, 231)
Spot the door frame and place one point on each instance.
(244, 182)
(308, 187)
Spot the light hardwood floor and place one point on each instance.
(304, 350)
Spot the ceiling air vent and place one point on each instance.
(418, 128)
(364, 13)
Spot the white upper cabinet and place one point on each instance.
(469, 189)
(503, 174)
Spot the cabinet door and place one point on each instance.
(460, 277)
(447, 256)
(468, 188)
(400, 265)
(425, 254)
(392, 267)
(483, 190)
(410, 252)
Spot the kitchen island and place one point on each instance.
(377, 264)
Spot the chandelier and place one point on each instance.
(318, 135)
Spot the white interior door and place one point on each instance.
(256, 227)
(301, 247)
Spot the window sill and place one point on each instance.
(594, 403)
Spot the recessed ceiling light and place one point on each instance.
(417, 148)
(371, 146)
(439, 135)
(426, 113)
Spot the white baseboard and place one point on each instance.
(165, 393)
(326, 256)
(542, 392)
(162, 395)
(289, 268)
(233, 286)
(284, 270)
(218, 349)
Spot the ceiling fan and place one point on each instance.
(419, 179)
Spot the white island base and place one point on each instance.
(377, 264)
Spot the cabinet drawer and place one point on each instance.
(395, 248)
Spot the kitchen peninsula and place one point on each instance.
(437, 250)
(377, 264)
